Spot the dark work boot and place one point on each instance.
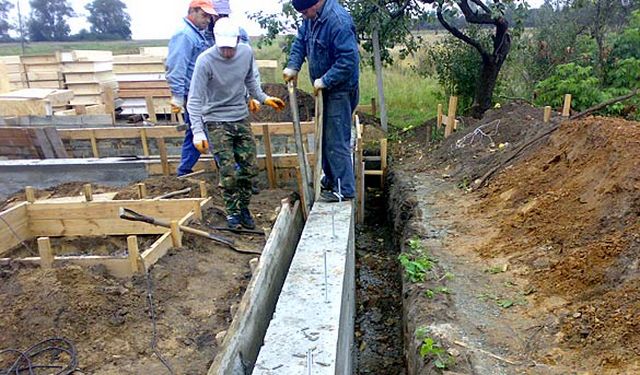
(246, 220)
(233, 221)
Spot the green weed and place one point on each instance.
(416, 269)
(441, 359)
(431, 293)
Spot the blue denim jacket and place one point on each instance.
(184, 48)
(331, 47)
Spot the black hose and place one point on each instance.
(26, 360)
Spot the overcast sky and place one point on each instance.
(153, 19)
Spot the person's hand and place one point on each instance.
(275, 103)
(176, 104)
(200, 142)
(289, 74)
(318, 85)
(254, 105)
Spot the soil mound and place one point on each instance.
(569, 216)
(477, 146)
(306, 105)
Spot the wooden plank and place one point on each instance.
(94, 146)
(151, 110)
(164, 160)
(244, 336)
(30, 194)
(136, 59)
(566, 108)
(383, 160)
(163, 209)
(451, 116)
(176, 235)
(138, 68)
(126, 86)
(133, 253)
(319, 125)
(144, 141)
(87, 66)
(547, 114)
(271, 172)
(142, 190)
(439, 116)
(157, 250)
(96, 109)
(25, 107)
(56, 143)
(46, 254)
(88, 192)
(109, 103)
(5, 81)
(14, 227)
(95, 227)
(117, 266)
(41, 59)
(42, 142)
(91, 55)
(144, 92)
(92, 77)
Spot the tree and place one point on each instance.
(109, 18)
(395, 18)
(5, 26)
(48, 20)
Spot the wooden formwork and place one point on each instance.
(44, 219)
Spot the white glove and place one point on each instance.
(318, 85)
(200, 141)
(177, 101)
(289, 74)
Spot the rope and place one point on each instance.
(470, 138)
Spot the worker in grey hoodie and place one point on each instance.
(217, 105)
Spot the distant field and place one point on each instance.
(411, 99)
(119, 47)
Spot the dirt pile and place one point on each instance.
(306, 105)
(477, 146)
(568, 215)
(195, 289)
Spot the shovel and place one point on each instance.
(128, 214)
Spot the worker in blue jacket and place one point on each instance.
(184, 48)
(327, 39)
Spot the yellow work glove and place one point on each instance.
(200, 142)
(289, 74)
(176, 104)
(254, 105)
(275, 103)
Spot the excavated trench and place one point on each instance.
(378, 328)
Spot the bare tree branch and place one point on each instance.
(458, 34)
(482, 5)
(474, 17)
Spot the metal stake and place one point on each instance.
(326, 283)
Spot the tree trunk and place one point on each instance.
(484, 90)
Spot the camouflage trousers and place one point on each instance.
(235, 152)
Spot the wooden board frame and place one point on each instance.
(59, 219)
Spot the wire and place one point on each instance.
(152, 313)
(26, 359)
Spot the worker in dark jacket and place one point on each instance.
(327, 39)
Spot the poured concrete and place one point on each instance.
(305, 327)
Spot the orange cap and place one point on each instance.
(205, 5)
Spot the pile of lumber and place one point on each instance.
(141, 79)
(35, 143)
(33, 102)
(89, 74)
(13, 72)
(43, 71)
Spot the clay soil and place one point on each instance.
(554, 238)
(195, 289)
(306, 105)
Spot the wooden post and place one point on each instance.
(305, 209)
(134, 253)
(374, 108)
(451, 116)
(94, 145)
(566, 109)
(164, 159)
(142, 190)
(197, 210)
(46, 254)
(271, 173)
(88, 192)
(203, 190)
(383, 160)
(176, 236)
(547, 114)
(144, 141)
(109, 104)
(151, 110)
(439, 120)
(30, 194)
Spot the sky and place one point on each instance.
(153, 19)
